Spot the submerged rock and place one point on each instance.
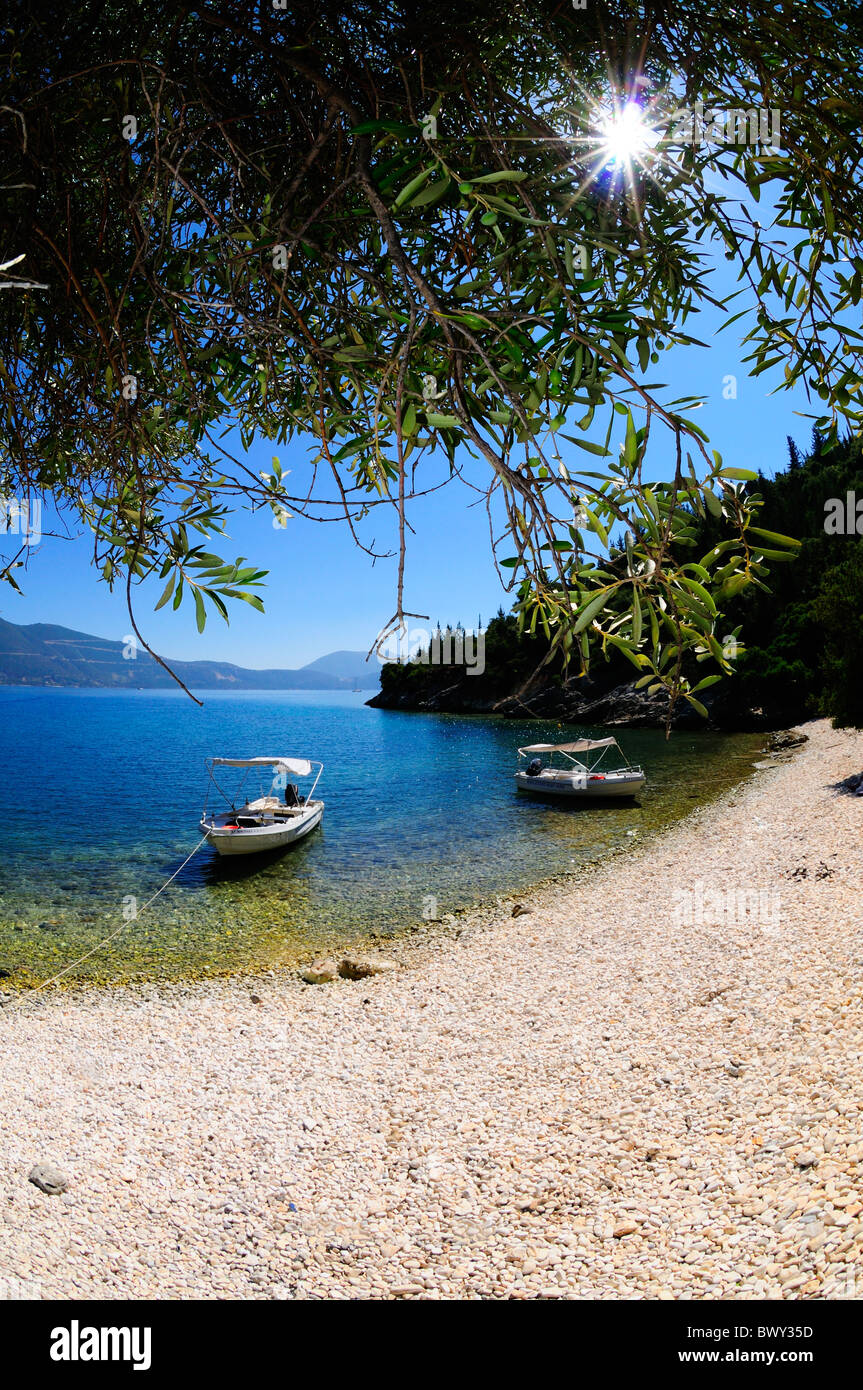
(786, 738)
(320, 972)
(48, 1179)
(360, 967)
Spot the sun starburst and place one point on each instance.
(626, 136)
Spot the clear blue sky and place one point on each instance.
(323, 594)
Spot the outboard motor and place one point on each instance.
(534, 767)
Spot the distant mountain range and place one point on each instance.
(44, 654)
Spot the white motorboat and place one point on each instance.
(276, 818)
(580, 776)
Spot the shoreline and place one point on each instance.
(594, 1099)
(615, 705)
(485, 908)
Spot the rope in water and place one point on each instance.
(37, 989)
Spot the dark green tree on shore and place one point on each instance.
(799, 653)
(802, 655)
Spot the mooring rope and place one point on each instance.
(37, 989)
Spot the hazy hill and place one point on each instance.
(349, 666)
(45, 654)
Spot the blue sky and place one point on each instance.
(323, 594)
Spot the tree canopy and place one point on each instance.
(397, 229)
(801, 658)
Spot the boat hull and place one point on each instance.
(231, 841)
(573, 787)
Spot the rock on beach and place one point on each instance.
(48, 1179)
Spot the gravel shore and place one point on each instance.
(649, 1086)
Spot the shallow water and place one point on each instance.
(103, 793)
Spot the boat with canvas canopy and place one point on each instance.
(577, 773)
(276, 817)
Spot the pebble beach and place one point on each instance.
(648, 1083)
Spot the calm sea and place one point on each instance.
(103, 793)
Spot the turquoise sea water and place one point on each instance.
(103, 793)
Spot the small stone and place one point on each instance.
(360, 967)
(806, 1160)
(48, 1179)
(255, 999)
(625, 1228)
(320, 972)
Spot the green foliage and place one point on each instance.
(838, 608)
(510, 658)
(289, 245)
(796, 652)
(801, 640)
